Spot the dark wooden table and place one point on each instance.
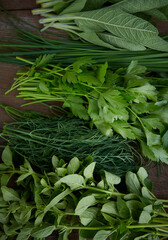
(22, 9)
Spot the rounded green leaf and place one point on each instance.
(7, 156)
(9, 194)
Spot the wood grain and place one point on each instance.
(19, 4)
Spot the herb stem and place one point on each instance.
(105, 191)
(147, 226)
(85, 228)
(161, 213)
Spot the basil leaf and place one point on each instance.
(84, 203)
(88, 171)
(133, 183)
(7, 156)
(102, 235)
(44, 231)
(9, 194)
(74, 181)
(73, 165)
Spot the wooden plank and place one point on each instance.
(19, 4)
(25, 15)
(160, 181)
(6, 30)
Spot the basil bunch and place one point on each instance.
(72, 196)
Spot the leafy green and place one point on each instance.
(97, 212)
(66, 138)
(124, 101)
(24, 43)
(113, 26)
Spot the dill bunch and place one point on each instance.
(38, 137)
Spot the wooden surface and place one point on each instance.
(21, 8)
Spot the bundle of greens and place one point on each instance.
(28, 41)
(72, 196)
(125, 101)
(126, 24)
(34, 134)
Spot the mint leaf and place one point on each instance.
(44, 231)
(84, 204)
(145, 217)
(9, 194)
(7, 156)
(102, 235)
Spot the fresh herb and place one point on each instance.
(33, 134)
(24, 42)
(125, 101)
(72, 197)
(114, 26)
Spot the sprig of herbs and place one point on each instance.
(125, 101)
(29, 42)
(122, 25)
(72, 196)
(33, 134)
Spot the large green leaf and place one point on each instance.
(75, 6)
(121, 42)
(157, 14)
(93, 38)
(7, 156)
(44, 231)
(156, 43)
(57, 199)
(9, 194)
(84, 203)
(133, 6)
(116, 22)
(94, 4)
(102, 235)
(74, 181)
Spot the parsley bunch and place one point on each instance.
(125, 101)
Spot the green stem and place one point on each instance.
(136, 117)
(105, 191)
(24, 60)
(85, 228)
(161, 214)
(19, 172)
(147, 226)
